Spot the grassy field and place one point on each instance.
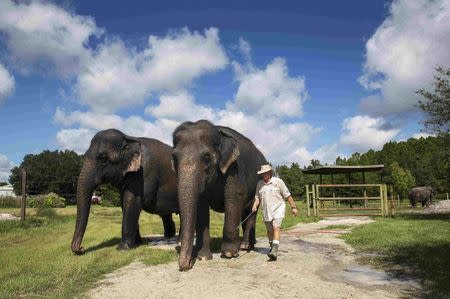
(36, 261)
(417, 244)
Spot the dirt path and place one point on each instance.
(313, 263)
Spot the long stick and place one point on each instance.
(244, 220)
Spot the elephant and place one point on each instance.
(141, 169)
(420, 194)
(216, 167)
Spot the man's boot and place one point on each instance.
(273, 253)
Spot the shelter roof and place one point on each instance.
(334, 169)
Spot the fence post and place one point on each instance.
(307, 201)
(24, 195)
(314, 199)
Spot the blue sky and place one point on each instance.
(302, 79)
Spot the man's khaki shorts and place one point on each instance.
(275, 223)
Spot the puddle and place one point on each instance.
(370, 277)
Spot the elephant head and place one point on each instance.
(109, 158)
(202, 153)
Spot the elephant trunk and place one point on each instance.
(85, 187)
(188, 197)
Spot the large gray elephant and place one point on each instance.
(141, 169)
(420, 194)
(216, 167)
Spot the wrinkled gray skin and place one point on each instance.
(141, 169)
(216, 167)
(420, 194)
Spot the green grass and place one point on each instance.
(418, 243)
(36, 261)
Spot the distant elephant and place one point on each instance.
(141, 169)
(420, 194)
(216, 167)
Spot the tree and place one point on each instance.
(403, 181)
(437, 103)
(3, 183)
(49, 171)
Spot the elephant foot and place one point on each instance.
(204, 255)
(125, 246)
(246, 246)
(229, 254)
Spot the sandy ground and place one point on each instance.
(6, 216)
(312, 263)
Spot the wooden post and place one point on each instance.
(392, 201)
(307, 201)
(314, 199)
(381, 200)
(24, 195)
(385, 200)
(366, 202)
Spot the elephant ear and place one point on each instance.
(131, 146)
(229, 151)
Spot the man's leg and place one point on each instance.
(276, 233)
(269, 228)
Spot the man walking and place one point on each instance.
(271, 192)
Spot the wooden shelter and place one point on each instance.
(373, 205)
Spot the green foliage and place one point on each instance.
(110, 195)
(437, 103)
(9, 202)
(51, 200)
(49, 171)
(3, 183)
(402, 179)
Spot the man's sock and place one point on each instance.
(276, 242)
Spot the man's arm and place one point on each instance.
(293, 206)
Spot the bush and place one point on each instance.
(9, 202)
(110, 195)
(51, 200)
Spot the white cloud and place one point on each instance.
(403, 52)
(5, 168)
(421, 135)
(180, 106)
(7, 83)
(363, 132)
(77, 140)
(269, 92)
(40, 34)
(119, 76)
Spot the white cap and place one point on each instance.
(264, 169)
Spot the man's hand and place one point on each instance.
(295, 211)
(255, 205)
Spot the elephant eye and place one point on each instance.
(103, 159)
(206, 159)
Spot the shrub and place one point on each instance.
(9, 202)
(51, 200)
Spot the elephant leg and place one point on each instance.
(131, 208)
(169, 226)
(202, 243)
(234, 204)
(248, 228)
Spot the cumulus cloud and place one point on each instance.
(7, 83)
(269, 92)
(5, 168)
(180, 106)
(77, 140)
(119, 76)
(39, 34)
(403, 52)
(363, 132)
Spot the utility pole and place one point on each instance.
(24, 195)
